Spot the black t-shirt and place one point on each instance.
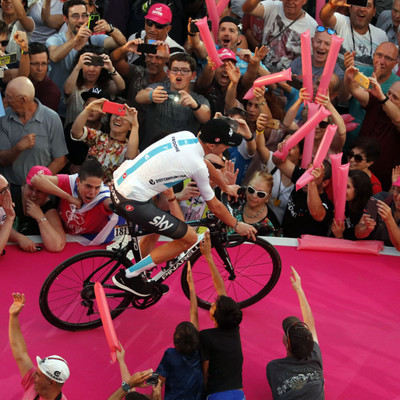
(23, 223)
(223, 349)
(297, 220)
(290, 378)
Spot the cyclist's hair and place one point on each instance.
(264, 175)
(70, 3)
(227, 313)
(182, 57)
(236, 111)
(90, 167)
(186, 338)
(37, 48)
(3, 28)
(369, 146)
(362, 190)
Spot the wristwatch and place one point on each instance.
(110, 31)
(125, 386)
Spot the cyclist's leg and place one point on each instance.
(148, 243)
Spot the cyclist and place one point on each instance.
(162, 165)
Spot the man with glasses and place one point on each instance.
(359, 35)
(382, 122)
(157, 25)
(46, 90)
(7, 213)
(299, 375)
(389, 21)
(320, 43)
(385, 59)
(63, 47)
(172, 106)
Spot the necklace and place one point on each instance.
(256, 215)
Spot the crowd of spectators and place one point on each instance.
(59, 146)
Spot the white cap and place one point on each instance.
(55, 367)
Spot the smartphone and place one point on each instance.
(372, 208)
(114, 108)
(194, 28)
(153, 380)
(147, 48)
(174, 96)
(231, 122)
(273, 124)
(8, 59)
(93, 18)
(362, 80)
(296, 83)
(359, 3)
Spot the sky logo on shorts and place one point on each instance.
(161, 223)
(128, 207)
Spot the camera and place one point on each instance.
(174, 96)
(153, 380)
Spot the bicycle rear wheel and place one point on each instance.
(257, 267)
(67, 298)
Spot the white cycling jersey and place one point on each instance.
(162, 165)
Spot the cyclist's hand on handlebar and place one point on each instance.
(205, 245)
(244, 229)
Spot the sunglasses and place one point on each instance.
(4, 43)
(324, 124)
(149, 22)
(321, 28)
(217, 166)
(260, 194)
(2, 191)
(357, 157)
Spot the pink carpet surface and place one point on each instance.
(354, 299)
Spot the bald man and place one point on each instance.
(385, 58)
(30, 134)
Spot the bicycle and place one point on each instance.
(249, 268)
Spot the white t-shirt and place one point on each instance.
(360, 43)
(162, 165)
(287, 46)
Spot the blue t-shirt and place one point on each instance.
(184, 377)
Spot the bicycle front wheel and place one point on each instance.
(257, 267)
(67, 298)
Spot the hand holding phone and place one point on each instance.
(147, 48)
(372, 208)
(93, 18)
(153, 380)
(362, 80)
(114, 108)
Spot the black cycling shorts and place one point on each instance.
(148, 216)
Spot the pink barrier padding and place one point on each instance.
(309, 139)
(302, 132)
(208, 41)
(347, 118)
(340, 199)
(320, 243)
(329, 65)
(285, 75)
(306, 64)
(350, 126)
(221, 6)
(105, 316)
(213, 16)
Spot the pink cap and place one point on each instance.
(37, 170)
(160, 13)
(226, 54)
(397, 182)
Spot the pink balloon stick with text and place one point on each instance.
(322, 151)
(106, 320)
(329, 65)
(309, 139)
(285, 75)
(306, 64)
(208, 42)
(302, 132)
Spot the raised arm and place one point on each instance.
(6, 228)
(327, 13)
(26, 22)
(194, 313)
(253, 7)
(17, 341)
(125, 374)
(262, 149)
(314, 203)
(54, 21)
(118, 56)
(385, 212)
(305, 307)
(354, 88)
(136, 380)
(78, 126)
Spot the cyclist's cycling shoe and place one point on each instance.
(135, 285)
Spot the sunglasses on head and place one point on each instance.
(324, 124)
(217, 166)
(357, 157)
(149, 22)
(321, 28)
(4, 43)
(260, 193)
